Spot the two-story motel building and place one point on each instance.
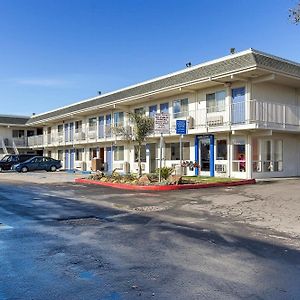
(242, 110)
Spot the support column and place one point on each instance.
(249, 156)
(196, 154)
(212, 155)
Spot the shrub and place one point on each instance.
(165, 172)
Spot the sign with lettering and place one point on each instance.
(162, 123)
(180, 126)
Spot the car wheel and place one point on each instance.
(24, 169)
(52, 168)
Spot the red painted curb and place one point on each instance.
(165, 187)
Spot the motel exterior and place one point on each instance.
(242, 113)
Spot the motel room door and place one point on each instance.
(67, 158)
(72, 159)
(204, 155)
(238, 106)
(109, 159)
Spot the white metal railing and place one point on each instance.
(267, 166)
(79, 135)
(271, 114)
(60, 138)
(264, 114)
(92, 132)
(20, 142)
(36, 140)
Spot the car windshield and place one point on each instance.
(5, 158)
(29, 159)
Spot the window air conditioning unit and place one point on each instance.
(220, 168)
(118, 166)
(214, 120)
(142, 165)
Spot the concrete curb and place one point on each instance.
(125, 186)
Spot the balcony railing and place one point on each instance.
(36, 140)
(15, 142)
(261, 114)
(79, 135)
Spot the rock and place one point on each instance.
(144, 180)
(174, 179)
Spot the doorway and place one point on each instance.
(238, 106)
(152, 157)
(109, 159)
(205, 154)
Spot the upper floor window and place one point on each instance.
(152, 111)
(18, 133)
(60, 129)
(118, 118)
(164, 107)
(92, 123)
(215, 102)
(180, 108)
(78, 125)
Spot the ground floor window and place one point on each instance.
(49, 153)
(143, 153)
(221, 150)
(172, 151)
(78, 154)
(267, 155)
(93, 153)
(239, 155)
(60, 154)
(118, 153)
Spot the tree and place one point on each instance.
(141, 127)
(295, 14)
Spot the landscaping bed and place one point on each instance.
(150, 181)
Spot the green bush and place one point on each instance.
(165, 172)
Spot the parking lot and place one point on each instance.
(270, 204)
(41, 177)
(92, 242)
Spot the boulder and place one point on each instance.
(175, 179)
(144, 180)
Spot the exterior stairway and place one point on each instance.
(4, 146)
(15, 148)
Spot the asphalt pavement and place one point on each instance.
(67, 241)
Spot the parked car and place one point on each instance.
(38, 163)
(8, 161)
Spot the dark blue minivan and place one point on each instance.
(38, 163)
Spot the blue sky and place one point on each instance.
(56, 52)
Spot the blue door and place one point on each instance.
(108, 126)
(109, 158)
(72, 159)
(71, 135)
(66, 132)
(101, 127)
(238, 106)
(67, 159)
